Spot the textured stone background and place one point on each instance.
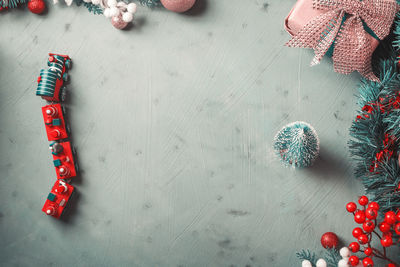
(173, 121)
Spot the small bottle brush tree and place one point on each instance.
(297, 144)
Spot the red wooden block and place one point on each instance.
(63, 159)
(58, 199)
(53, 117)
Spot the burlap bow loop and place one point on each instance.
(352, 44)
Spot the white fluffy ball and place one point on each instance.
(107, 13)
(321, 263)
(132, 7)
(345, 252)
(96, 2)
(114, 11)
(127, 17)
(343, 263)
(87, 1)
(112, 3)
(306, 263)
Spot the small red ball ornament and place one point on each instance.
(384, 227)
(329, 240)
(391, 265)
(354, 247)
(368, 262)
(178, 6)
(398, 216)
(359, 217)
(390, 217)
(351, 207)
(354, 260)
(371, 213)
(363, 200)
(36, 6)
(363, 239)
(386, 241)
(373, 205)
(397, 228)
(368, 251)
(368, 226)
(357, 232)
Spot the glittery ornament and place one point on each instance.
(36, 6)
(118, 22)
(178, 6)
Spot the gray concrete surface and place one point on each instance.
(173, 121)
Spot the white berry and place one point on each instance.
(114, 11)
(343, 263)
(107, 13)
(127, 17)
(132, 7)
(306, 263)
(112, 3)
(344, 252)
(321, 263)
(87, 1)
(96, 2)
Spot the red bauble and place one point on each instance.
(329, 240)
(397, 228)
(351, 207)
(357, 232)
(354, 247)
(354, 260)
(373, 205)
(36, 6)
(368, 226)
(390, 217)
(371, 213)
(359, 217)
(368, 262)
(363, 200)
(384, 227)
(368, 251)
(363, 239)
(387, 241)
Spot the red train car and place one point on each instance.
(56, 128)
(63, 159)
(57, 199)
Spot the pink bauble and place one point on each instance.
(178, 5)
(118, 22)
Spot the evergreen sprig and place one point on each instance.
(11, 3)
(150, 3)
(331, 256)
(95, 9)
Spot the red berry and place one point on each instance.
(384, 227)
(391, 265)
(368, 251)
(387, 241)
(357, 232)
(368, 262)
(368, 226)
(371, 213)
(363, 239)
(390, 217)
(363, 200)
(398, 216)
(359, 216)
(397, 228)
(329, 240)
(354, 260)
(373, 205)
(351, 207)
(354, 247)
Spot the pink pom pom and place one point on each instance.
(118, 22)
(178, 5)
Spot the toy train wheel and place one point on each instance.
(65, 77)
(68, 63)
(63, 93)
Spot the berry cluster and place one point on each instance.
(367, 218)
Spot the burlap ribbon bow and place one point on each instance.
(352, 49)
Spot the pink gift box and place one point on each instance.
(302, 13)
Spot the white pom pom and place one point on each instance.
(114, 11)
(96, 2)
(132, 7)
(306, 263)
(87, 1)
(321, 263)
(122, 4)
(107, 13)
(344, 252)
(127, 17)
(112, 3)
(343, 263)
